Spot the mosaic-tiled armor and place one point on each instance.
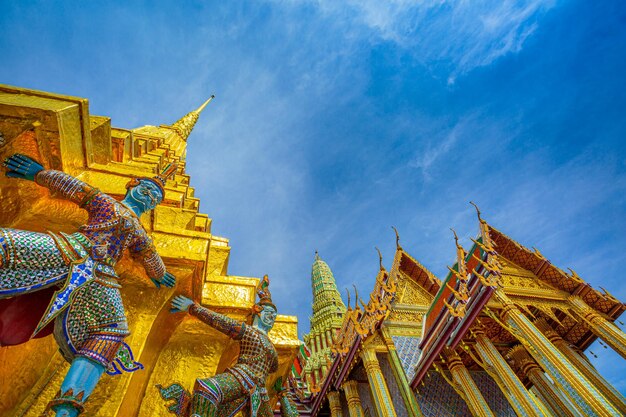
(241, 387)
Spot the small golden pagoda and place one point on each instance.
(60, 132)
(503, 334)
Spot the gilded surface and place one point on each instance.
(411, 293)
(410, 316)
(66, 137)
(514, 276)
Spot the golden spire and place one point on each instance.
(184, 126)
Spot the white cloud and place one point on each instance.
(456, 36)
(433, 152)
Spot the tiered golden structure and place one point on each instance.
(60, 132)
(502, 335)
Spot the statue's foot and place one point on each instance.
(65, 411)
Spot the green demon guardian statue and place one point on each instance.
(74, 276)
(288, 407)
(241, 387)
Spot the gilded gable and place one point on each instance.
(518, 277)
(409, 292)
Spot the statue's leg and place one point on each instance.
(178, 397)
(210, 393)
(92, 359)
(265, 410)
(79, 383)
(29, 261)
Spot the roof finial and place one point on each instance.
(398, 247)
(356, 296)
(477, 211)
(484, 230)
(348, 292)
(185, 125)
(380, 259)
(456, 239)
(317, 255)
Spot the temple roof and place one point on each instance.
(417, 272)
(534, 261)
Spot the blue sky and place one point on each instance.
(336, 120)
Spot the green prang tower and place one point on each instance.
(328, 312)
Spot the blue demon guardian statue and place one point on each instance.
(75, 275)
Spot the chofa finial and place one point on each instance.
(380, 258)
(477, 211)
(456, 239)
(348, 292)
(356, 297)
(398, 247)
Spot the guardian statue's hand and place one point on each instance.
(168, 280)
(180, 304)
(22, 166)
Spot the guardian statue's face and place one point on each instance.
(268, 316)
(146, 195)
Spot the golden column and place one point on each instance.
(583, 394)
(466, 386)
(600, 326)
(334, 402)
(510, 385)
(548, 393)
(583, 365)
(352, 397)
(378, 386)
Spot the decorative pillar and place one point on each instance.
(583, 394)
(583, 366)
(318, 344)
(516, 394)
(334, 402)
(380, 392)
(352, 397)
(410, 402)
(545, 389)
(466, 386)
(601, 327)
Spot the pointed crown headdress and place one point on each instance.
(159, 179)
(265, 297)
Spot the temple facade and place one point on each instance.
(60, 132)
(503, 334)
